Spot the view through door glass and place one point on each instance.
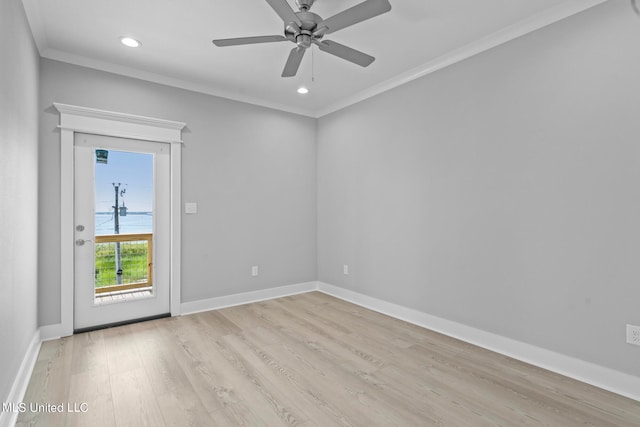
(123, 225)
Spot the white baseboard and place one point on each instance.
(590, 373)
(246, 298)
(51, 332)
(21, 381)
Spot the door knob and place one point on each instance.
(81, 242)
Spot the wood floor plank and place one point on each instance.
(49, 384)
(280, 372)
(346, 399)
(89, 353)
(134, 401)
(176, 398)
(283, 402)
(217, 324)
(120, 350)
(330, 345)
(305, 360)
(396, 331)
(222, 382)
(90, 395)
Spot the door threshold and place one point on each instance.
(122, 323)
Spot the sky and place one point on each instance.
(135, 172)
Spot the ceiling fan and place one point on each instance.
(305, 28)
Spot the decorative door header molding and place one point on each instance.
(102, 122)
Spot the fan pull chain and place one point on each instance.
(312, 65)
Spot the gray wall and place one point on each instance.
(502, 192)
(18, 189)
(251, 170)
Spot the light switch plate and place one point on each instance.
(190, 208)
(633, 334)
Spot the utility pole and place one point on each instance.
(116, 230)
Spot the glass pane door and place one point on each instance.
(123, 189)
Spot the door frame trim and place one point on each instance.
(75, 119)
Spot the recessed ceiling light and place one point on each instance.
(128, 41)
(302, 90)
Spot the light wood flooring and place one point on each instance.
(305, 360)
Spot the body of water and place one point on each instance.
(133, 222)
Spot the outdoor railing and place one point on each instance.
(136, 258)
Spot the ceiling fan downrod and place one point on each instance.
(304, 5)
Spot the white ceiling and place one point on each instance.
(416, 37)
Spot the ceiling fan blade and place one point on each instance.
(249, 40)
(293, 62)
(285, 11)
(358, 13)
(345, 52)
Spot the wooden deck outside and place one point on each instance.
(123, 238)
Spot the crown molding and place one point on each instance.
(550, 16)
(521, 28)
(95, 64)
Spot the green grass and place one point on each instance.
(134, 263)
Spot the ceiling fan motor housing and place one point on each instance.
(304, 34)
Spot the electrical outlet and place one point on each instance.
(633, 334)
(254, 270)
(345, 269)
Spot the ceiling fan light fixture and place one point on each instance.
(305, 28)
(130, 42)
(303, 90)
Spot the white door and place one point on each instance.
(122, 229)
